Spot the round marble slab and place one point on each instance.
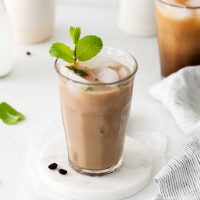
(128, 180)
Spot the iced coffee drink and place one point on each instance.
(95, 84)
(95, 111)
(178, 34)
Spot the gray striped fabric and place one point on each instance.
(180, 95)
(180, 179)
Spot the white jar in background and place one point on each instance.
(137, 17)
(33, 20)
(6, 53)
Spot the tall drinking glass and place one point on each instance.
(95, 116)
(178, 25)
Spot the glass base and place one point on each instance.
(96, 172)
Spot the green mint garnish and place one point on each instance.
(75, 33)
(9, 115)
(89, 89)
(88, 47)
(84, 48)
(78, 71)
(62, 51)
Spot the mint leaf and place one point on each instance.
(88, 47)
(78, 71)
(84, 49)
(60, 50)
(89, 89)
(9, 115)
(75, 33)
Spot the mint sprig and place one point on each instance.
(88, 47)
(84, 48)
(62, 51)
(78, 71)
(9, 115)
(75, 33)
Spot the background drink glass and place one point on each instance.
(95, 117)
(33, 20)
(6, 51)
(178, 36)
(137, 17)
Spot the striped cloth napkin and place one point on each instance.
(180, 95)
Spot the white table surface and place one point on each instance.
(32, 89)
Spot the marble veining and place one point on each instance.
(128, 180)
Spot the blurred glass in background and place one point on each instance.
(33, 20)
(6, 53)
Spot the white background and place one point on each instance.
(91, 2)
(32, 89)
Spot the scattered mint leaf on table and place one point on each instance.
(84, 49)
(9, 115)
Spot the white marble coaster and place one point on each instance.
(128, 180)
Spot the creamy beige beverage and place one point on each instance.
(178, 34)
(95, 111)
(95, 85)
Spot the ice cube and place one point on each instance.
(106, 75)
(75, 88)
(123, 72)
(99, 61)
(110, 63)
(92, 63)
(71, 75)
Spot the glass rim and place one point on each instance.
(101, 84)
(177, 5)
